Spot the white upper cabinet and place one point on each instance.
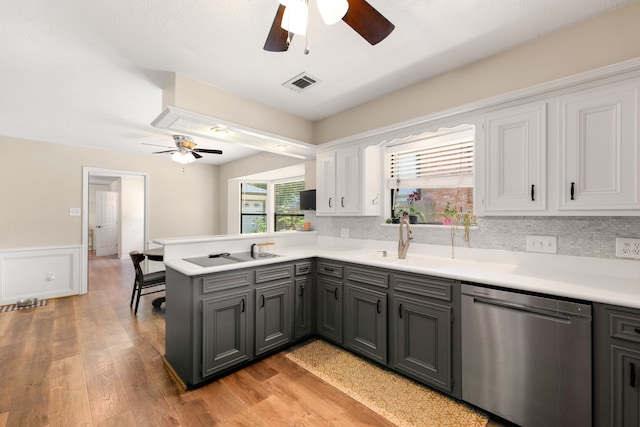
(349, 182)
(514, 161)
(598, 149)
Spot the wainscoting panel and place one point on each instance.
(39, 273)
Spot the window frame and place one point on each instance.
(270, 215)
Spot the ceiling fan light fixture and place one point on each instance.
(183, 157)
(296, 17)
(332, 11)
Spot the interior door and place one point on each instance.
(106, 233)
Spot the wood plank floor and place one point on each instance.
(88, 361)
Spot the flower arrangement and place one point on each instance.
(412, 198)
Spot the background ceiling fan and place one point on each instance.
(360, 15)
(185, 151)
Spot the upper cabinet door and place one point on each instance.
(515, 160)
(326, 183)
(347, 181)
(599, 149)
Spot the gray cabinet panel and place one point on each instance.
(224, 332)
(365, 322)
(422, 343)
(625, 386)
(616, 366)
(303, 317)
(330, 309)
(274, 321)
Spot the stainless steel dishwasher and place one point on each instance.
(526, 358)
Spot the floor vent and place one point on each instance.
(300, 82)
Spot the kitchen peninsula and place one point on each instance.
(344, 290)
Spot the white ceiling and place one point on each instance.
(91, 73)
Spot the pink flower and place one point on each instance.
(413, 197)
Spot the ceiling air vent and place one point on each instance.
(300, 82)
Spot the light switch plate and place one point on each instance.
(544, 244)
(74, 211)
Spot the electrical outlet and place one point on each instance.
(627, 248)
(544, 244)
(344, 233)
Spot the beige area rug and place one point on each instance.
(401, 401)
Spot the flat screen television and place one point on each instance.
(308, 200)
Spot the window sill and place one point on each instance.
(435, 226)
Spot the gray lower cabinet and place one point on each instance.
(273, 308)
(303, 301)
(329, 303)
(616, 366)
(425, 340)
(224, 332)
(365, 312)
(209, 323)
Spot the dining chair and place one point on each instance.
(144, 283)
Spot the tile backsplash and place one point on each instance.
(578, 236)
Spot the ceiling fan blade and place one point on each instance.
(367, 21)
(196, 155)
(208, 151)
(156, 145)
(162, 152)
(277, 38)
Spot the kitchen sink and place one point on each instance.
(410, 259)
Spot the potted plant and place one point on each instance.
(413, 212)
(449, 213)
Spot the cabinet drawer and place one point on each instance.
(426, 286)
(273, 273)
(625, 326)
(224, 281)
(368, 277)
(329, 269)
(302, 268)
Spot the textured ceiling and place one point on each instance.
(91, 72)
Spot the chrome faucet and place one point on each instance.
(403, 245)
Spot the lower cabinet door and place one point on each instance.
(303, 317)
(224, 332)
(625, 380)
(365, 322)
(330, 309)
(274, 321)
(422, 341)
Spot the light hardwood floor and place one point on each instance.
(87, 360)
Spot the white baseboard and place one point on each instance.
(40, 273)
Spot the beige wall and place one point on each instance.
(40, 181)
(201, 98)
(607, 39)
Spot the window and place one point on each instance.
(253, 212)
(428, 172)
(270, 206)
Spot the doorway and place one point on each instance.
(131, 213)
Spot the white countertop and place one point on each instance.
(612, 281)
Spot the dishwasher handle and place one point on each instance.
(549, 314)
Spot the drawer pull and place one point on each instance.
(636, 330)
(573, 190)
(262, 301)
(533, 193)
(632, 375)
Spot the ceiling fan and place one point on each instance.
(291, 18)
(185, 151)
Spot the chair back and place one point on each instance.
(137, 258)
